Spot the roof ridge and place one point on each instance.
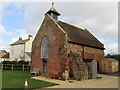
(24, 39)
(70, 25)
(52, 10)
(19, 42)
(80, 35)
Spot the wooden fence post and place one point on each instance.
(12, 66)
(23, 67)
(2, 67)
(27, 67)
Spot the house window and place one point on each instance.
(44, 48)
(21, 51)
(12, 52)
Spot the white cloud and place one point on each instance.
(22, 33)
(5, 32)
(110, 47)
(1, 13)
(34, 15)
(2, 29)
(13, 40)
(3, 45)
(99, 18)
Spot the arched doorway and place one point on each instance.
(44, 66)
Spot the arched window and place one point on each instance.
(44, 48)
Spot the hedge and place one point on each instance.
(15, 62)
(17, 65)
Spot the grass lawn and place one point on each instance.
(15, 79)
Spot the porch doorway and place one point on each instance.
(44, 66)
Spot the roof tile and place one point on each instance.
(81, 36)
(19, 42)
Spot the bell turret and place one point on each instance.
(53, 13)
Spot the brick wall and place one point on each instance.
(88, 53)
(55, 37)
(58, 60)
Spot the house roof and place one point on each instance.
(79, 36)
(2, 51)
(6, 55)
(52, 10)
(111, 59)
(19, 42)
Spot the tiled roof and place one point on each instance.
(19, 42)
(6, 55)
(111, 59)
(54, 11)
(2, 51)
(80, 36)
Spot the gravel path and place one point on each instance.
(107, 81)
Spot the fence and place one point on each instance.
(0, 67)
(23, 67)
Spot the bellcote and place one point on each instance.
(53, 13)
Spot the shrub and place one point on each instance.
(17, 65)
(117, 56)
(23, 62)
(6, 62)
(14, 62)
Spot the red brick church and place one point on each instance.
(56, 40)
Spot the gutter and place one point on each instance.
(86, 45)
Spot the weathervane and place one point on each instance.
(52, 4)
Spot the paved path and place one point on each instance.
(49, 80)
(107, 81)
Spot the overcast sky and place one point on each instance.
(22, 19)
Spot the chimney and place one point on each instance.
(20, 38)
(30, 36)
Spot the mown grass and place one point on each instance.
(16, 79)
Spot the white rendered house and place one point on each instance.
(21, 49)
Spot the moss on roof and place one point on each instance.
(81, 36)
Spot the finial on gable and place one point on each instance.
(52, 4)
